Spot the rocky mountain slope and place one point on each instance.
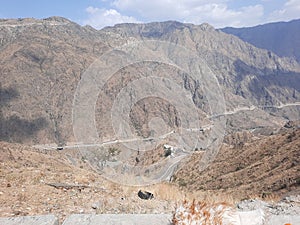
(42, 62)
(33, 183)
(47, 182)
(282, 38)
(249, 165)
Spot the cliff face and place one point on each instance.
(42, 62)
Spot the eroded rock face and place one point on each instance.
(42, 61)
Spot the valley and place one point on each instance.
(89, 117)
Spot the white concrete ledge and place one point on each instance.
(123, 219)
(30, 220)
(119, 219)
(283, 219)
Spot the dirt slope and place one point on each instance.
(262, 166)
(28, 177)
(266, 167)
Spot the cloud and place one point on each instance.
(101, 17)
(215, 12)
(219, 13)
(290, 10)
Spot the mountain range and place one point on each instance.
(282, 38)
(54, 89)
(42, 62)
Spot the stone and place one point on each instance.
(145, 195)
(292, 198)
(96, 205)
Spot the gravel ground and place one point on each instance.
(287, 206)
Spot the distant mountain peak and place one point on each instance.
(156, 29)
(54, 20)
(58, 19)
(206, 27)
(282, 38)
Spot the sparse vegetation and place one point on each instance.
(242, 168)
(114, 151)
(181, 182)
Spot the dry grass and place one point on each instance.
(221, 213)
(24, 173)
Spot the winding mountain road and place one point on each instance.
(163, 136)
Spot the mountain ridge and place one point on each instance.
(44, 64)
(282, 38)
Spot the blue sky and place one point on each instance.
(100, 13)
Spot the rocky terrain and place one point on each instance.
(34, 182)
(42, 62)
(247, 99)
(248, 165)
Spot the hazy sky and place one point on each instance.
(100, 13)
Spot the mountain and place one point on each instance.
(44, 61)
(282, 38)
(41, 63)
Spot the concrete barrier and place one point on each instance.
(283, 219)
(123, 219)
(119, 219)
(30, 220)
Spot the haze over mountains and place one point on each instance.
(282, 38)
(42, 62)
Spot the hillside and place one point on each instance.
(42, 62)
(42, 182)
(248, 166)
(33, 183)
(282, 38)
